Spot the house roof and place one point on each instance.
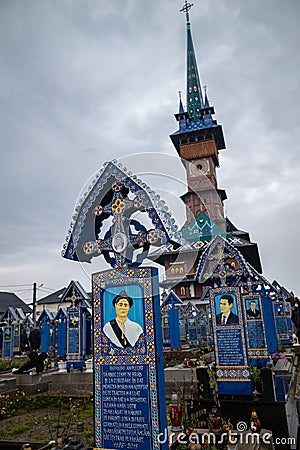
(10, 299)
(55, 297)
(61, 295)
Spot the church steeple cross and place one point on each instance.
(194, 99)
(186, 7)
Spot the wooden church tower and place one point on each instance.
(198, 141)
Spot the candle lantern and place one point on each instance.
(175, 411)
(255, 425)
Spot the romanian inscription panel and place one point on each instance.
(125, 406)
(230, 347)
(255, 328)
(73, 340)
(232, 369)
(256, 335)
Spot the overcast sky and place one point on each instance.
(83, 82)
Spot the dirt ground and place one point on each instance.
(44, 425)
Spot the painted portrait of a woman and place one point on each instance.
(122, 331)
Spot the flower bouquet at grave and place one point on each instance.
(276, 356)
(207, 446)
(12, 364)
(192, 362)
(227, 426)
(4, 365)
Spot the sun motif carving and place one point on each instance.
(90, 247)
(137, 202)
(98, 210)
(152, 236)
(118, 206)
(117, 187)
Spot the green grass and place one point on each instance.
(12, 406)
(43, 415)
(19, 429)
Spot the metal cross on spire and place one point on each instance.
(186, 7)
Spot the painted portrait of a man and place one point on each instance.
(226, 315)
(253, 311)
(122, 331)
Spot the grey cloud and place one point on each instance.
(84, 82)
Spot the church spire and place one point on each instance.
(198, 140)
(206, 101)
(194, 98)
(196, 123)
(181, 109)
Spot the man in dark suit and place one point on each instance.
(253, 312)
(226, 316)
(35, 338)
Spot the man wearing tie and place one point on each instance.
(226, 316)
(253, 312)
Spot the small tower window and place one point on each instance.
(182, 290)
(199, 166)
